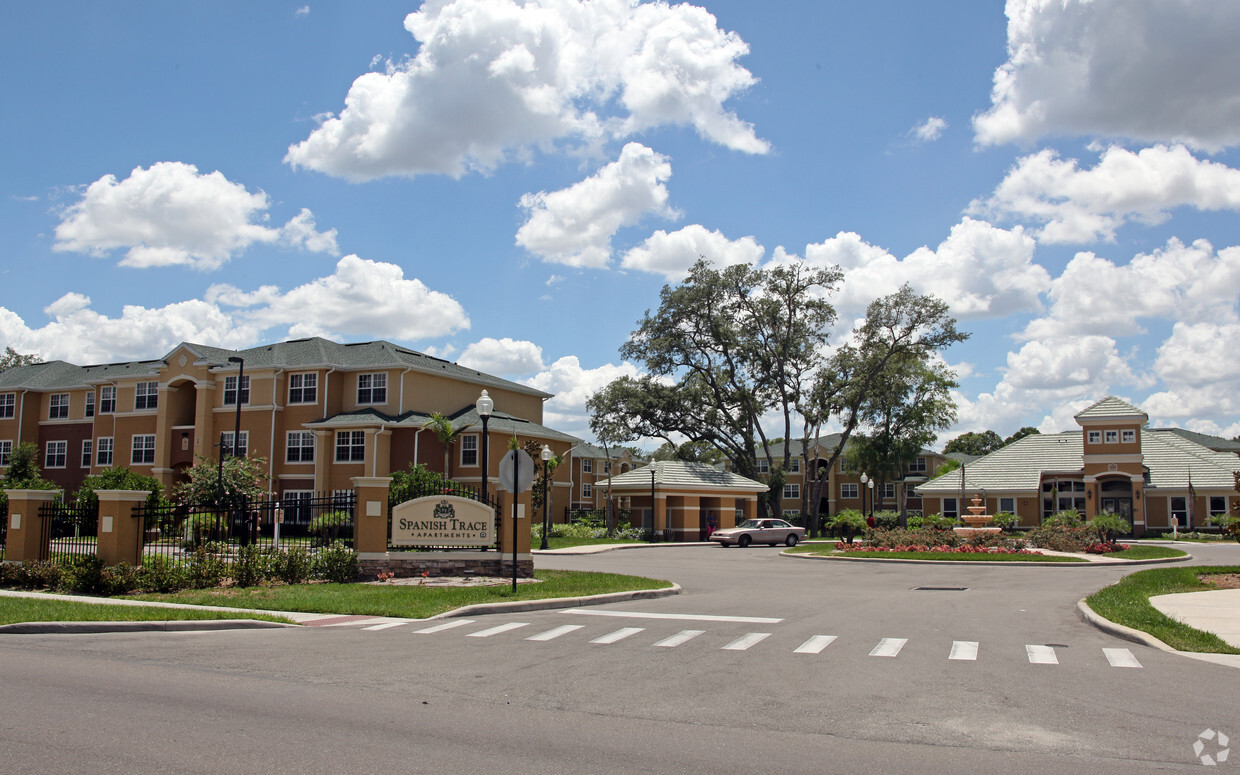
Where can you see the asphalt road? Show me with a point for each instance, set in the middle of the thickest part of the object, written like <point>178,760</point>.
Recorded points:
<point>738,674</point>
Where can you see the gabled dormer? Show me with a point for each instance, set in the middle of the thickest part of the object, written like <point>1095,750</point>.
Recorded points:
<point>1111,437</point>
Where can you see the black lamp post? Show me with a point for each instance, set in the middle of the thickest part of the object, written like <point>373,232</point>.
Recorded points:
<point>871,488</point>
<point>652,502</point>
<point>484,405</point>
<point>546,458</point>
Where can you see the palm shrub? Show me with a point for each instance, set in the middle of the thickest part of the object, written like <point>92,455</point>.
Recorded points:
<point>1109,526</point>
<point>848,524</point>
<point>1065,518</point>
<point>1004,519</point>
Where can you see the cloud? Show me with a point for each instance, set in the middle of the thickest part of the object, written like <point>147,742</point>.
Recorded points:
<point>171,215</point>
<point>1078,205</point>
<point>574,226</point>
<point>303,11</point>
<point>504,357</point>
<point>1149,70</point>
<point>572,386</point>
<point>928,131</point>
<point>361,297</point>
<point>672,255</point>
<point>980,270</point>
<point>492,81</point>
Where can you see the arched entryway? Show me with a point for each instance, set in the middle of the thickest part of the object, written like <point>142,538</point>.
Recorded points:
<point>1115,496</point>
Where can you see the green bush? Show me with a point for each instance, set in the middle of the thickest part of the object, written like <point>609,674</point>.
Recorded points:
<point>205,569</point>
<point>929,522</point>
<point>162,574</point>
<point>1004,519</point>
<point>293,566</point>
<point>119,580</point>
<point>1062,538</point>
<point>250,567</point>
<point>1109,527</point>
<point>889,539</point>
<point>1066,518</point>
<point>203,528</point>
<point>82,575</point>
<point>37,574</point>
<point>848,524</point>
<point>887,520</point>
<point>326,527</point>
<point>338,564</point>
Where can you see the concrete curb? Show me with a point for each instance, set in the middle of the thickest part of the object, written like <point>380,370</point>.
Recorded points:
<point>171,625</point>
<point>1145,639</point>
<point>600,548</point>
<point>1086,564</point>
<point>521,606</point>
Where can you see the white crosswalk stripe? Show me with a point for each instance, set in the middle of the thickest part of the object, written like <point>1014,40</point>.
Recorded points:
<point>445,626</point>
<point>1121,658</point>
<point>964,650</point>
<point>618,635</point>
<point>385,626</point>
<point>814,645</point>
<point>747,641</point>
<point>889,647</point>
<point>1041,655</point>
<point>497,630</point>
<point>684,636</point>
<point>556,632</point>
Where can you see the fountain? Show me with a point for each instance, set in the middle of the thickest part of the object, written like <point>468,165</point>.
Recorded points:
<point>976,520</point>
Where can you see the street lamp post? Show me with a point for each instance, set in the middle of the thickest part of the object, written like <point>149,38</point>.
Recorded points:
<point>484,405</point>
<point>546,458</point>
<point>864,481</point>
<point>871,487</point>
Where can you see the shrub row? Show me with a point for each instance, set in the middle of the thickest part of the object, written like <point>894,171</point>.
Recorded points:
<point>204,569</point>
<point>588,531</point>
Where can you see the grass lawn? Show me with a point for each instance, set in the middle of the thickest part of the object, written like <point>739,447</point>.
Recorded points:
<point>406,601</point>
<point>14,610</point>
<point>1128,603</point>
<point>1139,552</point>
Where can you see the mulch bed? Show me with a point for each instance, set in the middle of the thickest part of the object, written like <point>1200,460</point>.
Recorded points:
<point>1222,580</point>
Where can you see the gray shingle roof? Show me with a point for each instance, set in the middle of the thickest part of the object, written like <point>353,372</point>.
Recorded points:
<point>1216,443</point>
<point>500,424</point>
<point>1111,408</point>
<point>675,474</point>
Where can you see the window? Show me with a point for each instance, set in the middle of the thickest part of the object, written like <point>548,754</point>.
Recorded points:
<point>107,399</point>
<point>143,452</point>
<point>469,450</point>
<point>58,406</point>
<point>795,466</point>
<point>242,447</point>
<point>87,453</point>
<point>230,390</point>
<point>6,450</point>
<point>764,466</point>
<point>1218,505</point>
<point>848,490</point>
<point>296,505</point>
<point>350,446</point>
<point>90,403</point>
<point>889,491</point>
<point>791,513</point>
<point>1008,505</point>
<point>587,490</point>
<point>372,388</point>
<point>303,388</point>
<point>950,508</point>
<point>1179,509</point>
<point>1095,437</point>
<point>299,447</point>
<point>1128,437</point>
<point>146,396</point>
<point>1112,437</point>
<point>607,467</point>
<point>792,491</point>
<point>103,451</point>
<point>587,466</point>
<point>918,466</point>
<point>57,452</point>
<point>8,403</point>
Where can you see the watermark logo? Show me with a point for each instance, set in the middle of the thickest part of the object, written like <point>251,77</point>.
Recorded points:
<point>1217,742</point>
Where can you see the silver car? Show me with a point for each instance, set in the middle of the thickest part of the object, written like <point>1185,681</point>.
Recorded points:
<point>759,531</point>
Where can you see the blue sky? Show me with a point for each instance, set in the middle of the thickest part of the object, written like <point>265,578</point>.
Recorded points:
<point>510,184</point>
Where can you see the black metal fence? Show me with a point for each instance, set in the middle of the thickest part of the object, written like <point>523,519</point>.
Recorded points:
<point>69,530</point>
<point>319,520</point>
<point>447,488</point>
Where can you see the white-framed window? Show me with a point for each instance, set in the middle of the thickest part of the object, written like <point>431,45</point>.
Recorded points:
<point>143,451</point>
<point>296,506</point>
<point>917,466</point>
<point>242,447</point>
<point>792,490</point>
<point>1093,437</point>
<point>1111,437</point>
<point>1217,505</point>
<point>794,466</point>
<point>230,390</point>
<point>6,451</point>
<point>107,399</point>
<point>299,447</point>
<point>87,453</point>
<point>146,396</point>
<point>951,508</point>
<point>763,466</point>
<point>1179,508</point>
<point>587,466</point>
<point>303,388</point>
<point>1128,436</point>
<point>58,406</point>
<point>350,446</point>
<point>103,451</point>
<point>791,514</point>
<point>606,467</point>
<point>469,450</point>
<point>1008,505</point>
<point>8,405</point>
<point>57,453</point>
<point>587,490</point>
<point>90,403</point>
<point>889,491</point>
<point>372,388</point>
<point>848,490</point>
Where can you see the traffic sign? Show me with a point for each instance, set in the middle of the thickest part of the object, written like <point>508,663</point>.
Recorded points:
<point>517,462</point>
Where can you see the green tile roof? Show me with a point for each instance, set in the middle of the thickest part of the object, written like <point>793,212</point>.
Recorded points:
<point>678,475</point>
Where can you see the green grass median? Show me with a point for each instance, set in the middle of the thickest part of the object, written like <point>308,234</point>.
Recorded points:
<point>16,610</point>
<point>1128,603</point>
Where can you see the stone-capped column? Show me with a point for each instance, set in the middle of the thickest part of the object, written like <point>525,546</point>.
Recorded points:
<point>120,538</point>
<point>370,518</point>
<point>25,536</point>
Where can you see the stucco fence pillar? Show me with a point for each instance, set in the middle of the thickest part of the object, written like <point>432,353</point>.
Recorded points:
<point>120,532</point>
<point>25,534</point>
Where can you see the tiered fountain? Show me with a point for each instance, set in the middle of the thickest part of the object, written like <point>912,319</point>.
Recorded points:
<point>976,519</point>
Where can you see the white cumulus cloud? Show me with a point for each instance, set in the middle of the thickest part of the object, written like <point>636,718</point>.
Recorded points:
<point>574,226</point>
<point>169,214</point>
<point>1149,70</point>
<point>504,357</point>
<point>493,80</point>
<point>929,130</point>
<point>573,386</point>
<point>672,255</point>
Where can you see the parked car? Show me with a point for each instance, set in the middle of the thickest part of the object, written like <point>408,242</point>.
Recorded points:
<point>759,531</point>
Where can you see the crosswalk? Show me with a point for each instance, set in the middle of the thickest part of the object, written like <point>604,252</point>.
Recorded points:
<point>885,648</point>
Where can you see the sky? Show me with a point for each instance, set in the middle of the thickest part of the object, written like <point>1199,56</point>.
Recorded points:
<point>510,184</point>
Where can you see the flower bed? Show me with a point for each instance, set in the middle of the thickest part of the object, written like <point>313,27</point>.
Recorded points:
<point>937,549</point>
<point>1101,548</point>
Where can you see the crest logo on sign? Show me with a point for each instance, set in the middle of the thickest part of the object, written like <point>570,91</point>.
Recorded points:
<point>444,510</point>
